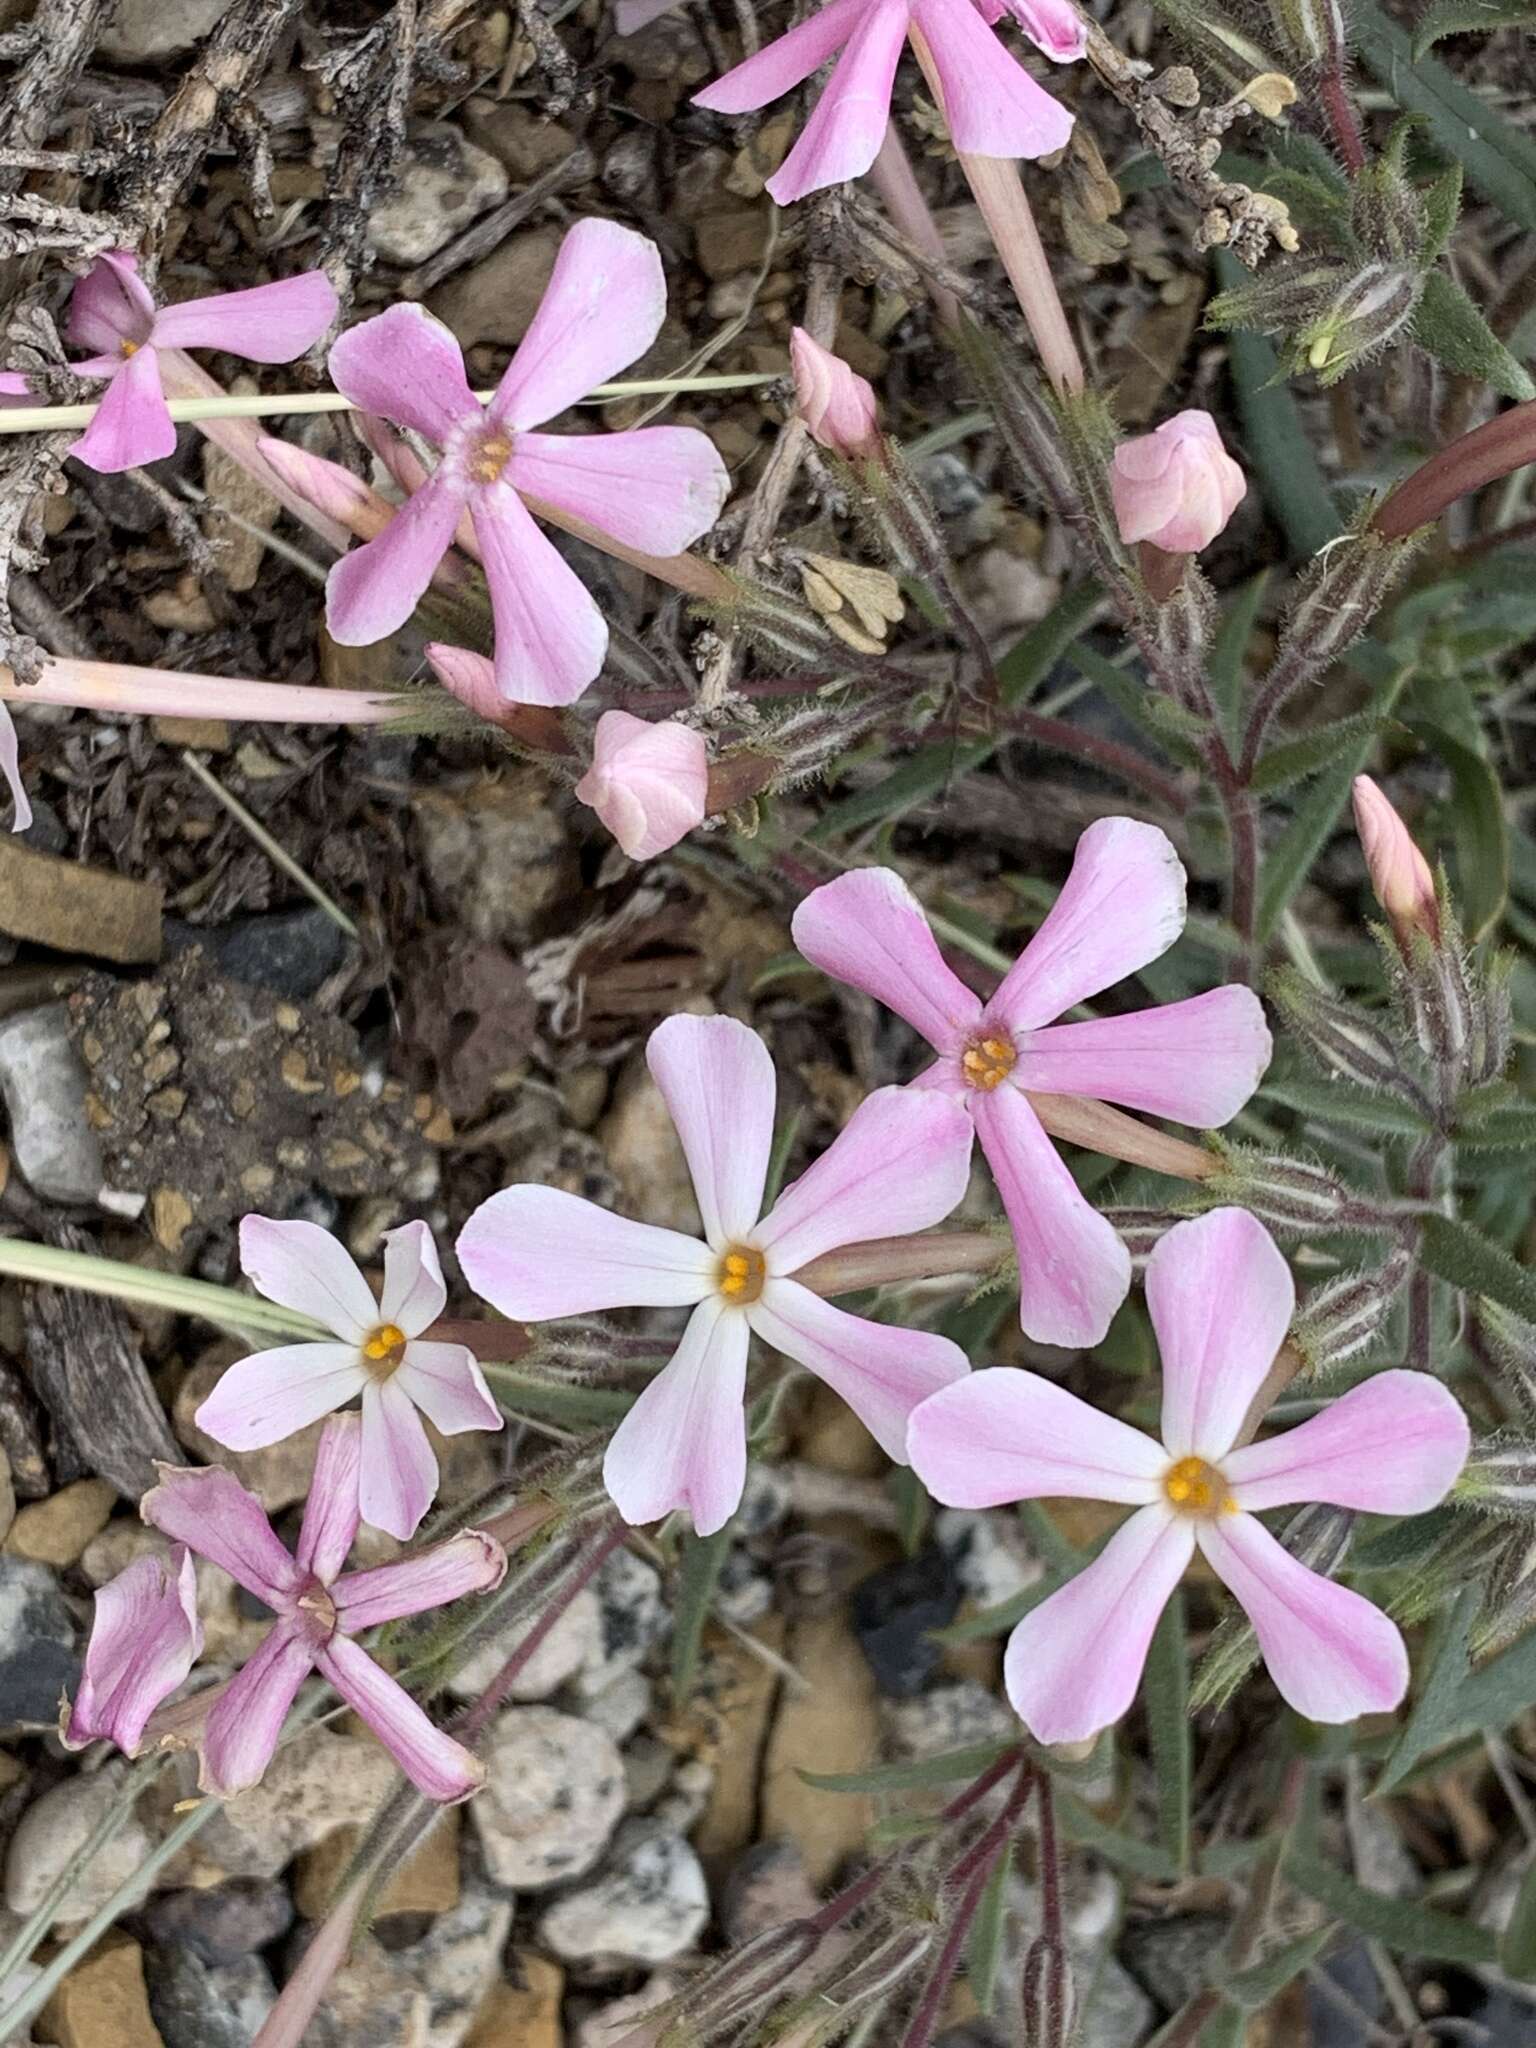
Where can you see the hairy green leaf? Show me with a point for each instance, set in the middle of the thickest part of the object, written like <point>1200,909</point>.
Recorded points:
<point>1454,1251</point>
<point>1421,1931</point>
<point>1469,17</point>
<point>1448,326</point>
<point>1166,1693</point>
<point>697,1577</point>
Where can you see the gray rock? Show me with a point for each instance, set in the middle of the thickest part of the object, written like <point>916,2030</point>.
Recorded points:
<point>445,183</point>
<point>458,1960</point>
<point>950,1716</point>
<point>989,1553</point>
<point>58,1824</point>
<point>573,1643</point>
<point>1172,1959</point>
<point>554,1793</point>
<point>634,1619</point>
<point>319,1782</point>
<point>648,1905</point>
<point>196,2005</point>
<point>897,1611</point>
<point>373,2002</point>
<point>43,1083</point>
<point>622,1706</point>
<point>768,1886</point>
<point>290,952</point>
<point>223,1923</point>
<point>1116,2013</point>
<point>765,1501</point>
<point>612,2024</point>
<point>139,31</point>
<point>686,1798</point>
<point>743,1591</point>
<point>38,1634</point>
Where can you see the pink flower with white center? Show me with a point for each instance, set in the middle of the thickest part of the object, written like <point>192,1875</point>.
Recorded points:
<point>1220,1297</point>
<point>320,1611</point>
<point>649,781</point>
<point>993,106</point>
<point>114,314</point>
<point>899,1165</point>
<point>656,488</point>
<point>145,1638</point>
<point>379,1354</point>
<point>1400,875</point>
<point>1054,26</point>
<point>836,403</point>
<point>1176,487</point>
<point>10,770</point>
<point>1196,1061</point>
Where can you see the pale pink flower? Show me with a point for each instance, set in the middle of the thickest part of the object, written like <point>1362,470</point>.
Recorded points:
<point>145,1638</point>
<point>378,1354</point>
<point>836,403</point>
<point>10,770</point>
<point>649,781</point>
<point>994,107</point>
<point>655,488</point>
<point>1176,487</point>
<point>1220,1296</point>
<point>1196,1061</point>
<point>320,1611</point>
<point>899,1165</point>
<point>1400,875</point>
<point>1054,26</point>
<point>114,314</point>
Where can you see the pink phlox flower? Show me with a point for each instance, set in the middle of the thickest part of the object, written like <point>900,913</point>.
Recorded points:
<point>145,1638</point>
<point>836,403</point>
<point>113,313</point>
<point>656,488</point>
<point>994,107</point>
<point>320,1612</point>
<point>1220,1297</point>
<point>1196,1061</point>
<point>1400,875</point>
<point>1176,487</point>
<point>649,781</point>
<point>379,1354</point>
<point>10,770</point>
<point>899,1165</point>
<point>1053,26</point>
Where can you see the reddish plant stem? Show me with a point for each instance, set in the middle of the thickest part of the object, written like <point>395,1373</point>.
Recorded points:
<point>1342,118</point>
<point>1050,1859</point>
<point>1481,457</point>
<point>1061,737</point>
<point>972,1873</point>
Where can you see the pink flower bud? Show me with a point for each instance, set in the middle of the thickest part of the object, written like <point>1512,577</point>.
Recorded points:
<point>1177,487</point>
<point>1400,874</point>
<point>648,782</point>
<point>836,404</point>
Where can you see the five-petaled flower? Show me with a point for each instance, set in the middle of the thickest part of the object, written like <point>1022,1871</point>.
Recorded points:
<point>320,1612</point>
<point>899,1165</point>
<point>1196,1061</point>
<point>1220,1297</point>
<point>145,1638</point>
<point>1176,487</point>
<point>993,106</point>
<point>378,1353</point>
<point>655,488</point>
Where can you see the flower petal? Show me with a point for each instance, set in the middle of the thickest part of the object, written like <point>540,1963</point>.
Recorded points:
<point>268,323</point>
<point>716,1077</point>
<point>145,1638</point>
<point>1332,1655</point>
<point>1221,1299</point>
<point>882,1372</point>
<point>1121,906</point>
<point>332,1511</point>
<point>10,770</point>
<point>868,929</point>
<point>470,1562</point>
<point>539,1253</point>
<point>262,1399</point>
<point>447,1385</point>
<point>1006,1435</point>
<point>684,1443</point>
<point>208,1509</point>
<point>993,105</point>
<point>1394,1445</point>
<point>436,1765</point>
<point>246,1720</point>
<point>413,1293</point>
<point>656,488</point>
<point>1073,1664</point>
<point>1197,1061</point>
<point>398,1479</point>
<point>899,1164</point>
<point>373,590</point>
<point>111,304</point>
<point>407,367</point>
<point>302,1267</point>
<point>601,310</point>
<point>133,424</point>
<point>551,638</point>
<point>848,123</point>
<point>1073,1270</point>
<point>786,62</point>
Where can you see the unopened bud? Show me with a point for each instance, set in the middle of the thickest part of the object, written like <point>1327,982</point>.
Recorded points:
<point>328,487</point>
<point>1500,1475</point>
<point>1400,875</point>
<point>1510,1342</point>
<point>784,626</point>
<point>1049,1994</point>
<point>876,1970</point>
<point>1311,29</point>
<point>1347,1313</point>
<point>1344,1041</point>
<point>1292,1193</point>
<point>836,404</point>
<point>1361,318</point>
<point>1139,1229</point>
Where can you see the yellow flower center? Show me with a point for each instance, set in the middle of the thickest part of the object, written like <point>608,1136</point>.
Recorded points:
<point>384,1350</point>
<point>128,348</point>
<point>1195,1488</point>
<point>741,1274</point>
<point>490,456</point>
<point>986,1062</point>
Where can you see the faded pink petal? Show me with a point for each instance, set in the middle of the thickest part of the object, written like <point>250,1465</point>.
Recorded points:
<point>246,1720</point>
<point>716,1077</point>
<point>1120,907</point>
<point>302,1267</point>
<point>882,1372</point>
<point>10,770</point>
<point>1176,487</point>
<point>1394,1445</point>
<point>847,126</point>
<point>899,1164</point>
<point>994,107</point>
<point>331,1513</point>
<point>1196,1061</point>
<point>1332,1655</point>
<point>371,592</point>
<point>413,1293</point>
<point>649,781</point>
<point>1004,1435</point>
<point>601,310</point>
<point>837,405</point>
<point>436,1765</point>
<point>551,639</point>
<point>1073,1664</point>
<point>470,1562</point>
<point>132,425</point>
<point>786,62</point>
<point>446,1384</point>
<point>684,1443</point>
<point>269,323</point>
<point>398,1480</point>
<point>406,366</point>
<point>111,304</point>
<point>868,929</point>
<point>656,488</point>
<point>537,1253</point>
<point>1221,1298</point>
<point>1400,875</point>
<point>145,1638</point>
<point>261,1400</point>
<point>208,1509</point>
<point>1074,1272</point>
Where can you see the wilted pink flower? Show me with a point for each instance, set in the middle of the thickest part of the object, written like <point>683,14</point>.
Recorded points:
<point>1196,1061</point>
<point>319,1611</point>
<point>1054,26</point>
<point>1400,875</point>
<point>899,1165</point>
<point>145,1638</point>
<point>656,488</point>
<point>1176,487</point>
<point>114,314</point>
<point>649,781</point>
<point>835,402</point>
<point>10,769</point>
<point>1220,1297</point>
<point>994,107</point>
<point>379,1354</point>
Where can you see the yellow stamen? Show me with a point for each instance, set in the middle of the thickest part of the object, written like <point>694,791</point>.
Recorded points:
<point>741,1274</point>
<point>492,454</point>
<point>128,348</point>
<point>1196,1488</point>
<point>987,1062</point>
<point>384,1350</point>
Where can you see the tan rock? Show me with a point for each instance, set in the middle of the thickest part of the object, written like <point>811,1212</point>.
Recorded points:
<point>526,140</point>
<point>833,1439</point>
<point>525,2013</point>
<point>495,854</point>
<point>641,1144</point>
<point>496,298</point>
<point>319,1782</point>
<point>834,1726</point>
<point>427,1882</point>
<point>77,909</point>
<point>56,1531</point>
<point>102,2004</point>
<point>237,503</point>
<point>730,241</point>
<point>743,1689</point>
